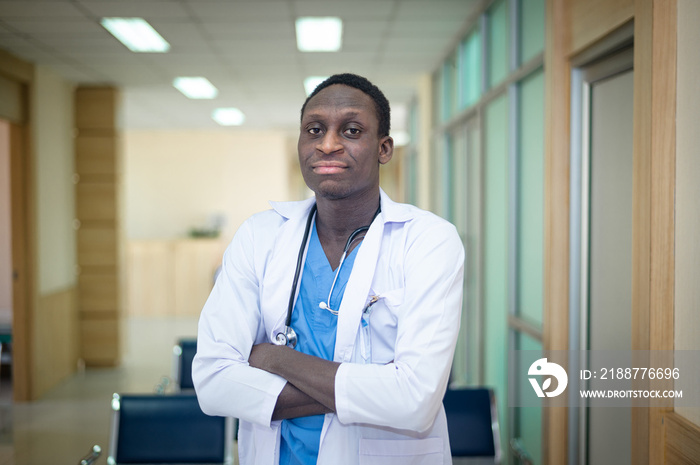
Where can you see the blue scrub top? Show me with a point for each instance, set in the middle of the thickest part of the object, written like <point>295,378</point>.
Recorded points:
<point>316,331</point>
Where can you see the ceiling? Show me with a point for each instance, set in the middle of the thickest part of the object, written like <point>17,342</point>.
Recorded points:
<point>246,48</point>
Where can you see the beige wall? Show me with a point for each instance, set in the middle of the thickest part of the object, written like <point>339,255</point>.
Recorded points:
<point>687,293</point>
<point>54,342</point>
<point>52,139</point>
<point>176,180</point>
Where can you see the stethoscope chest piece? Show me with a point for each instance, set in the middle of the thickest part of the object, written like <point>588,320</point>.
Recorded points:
<point>287,338</point>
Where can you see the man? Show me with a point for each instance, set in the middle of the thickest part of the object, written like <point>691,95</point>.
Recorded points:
<point>375,314</point>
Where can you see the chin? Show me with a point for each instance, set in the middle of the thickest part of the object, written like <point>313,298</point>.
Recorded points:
<point>331,194</point>
<point>330,190</point>
<point>335,191</point>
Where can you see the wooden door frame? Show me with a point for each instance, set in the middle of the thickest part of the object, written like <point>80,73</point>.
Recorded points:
<point>23,229</point>
<point>572,27</point>
<point>22,271</point>
<point>653,213</point>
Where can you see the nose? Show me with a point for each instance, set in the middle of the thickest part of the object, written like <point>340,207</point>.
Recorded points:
<point>329,143</point>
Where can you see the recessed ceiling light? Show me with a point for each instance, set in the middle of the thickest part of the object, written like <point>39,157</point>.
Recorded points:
<point>311,82</point>
<point>136,34</point>
<point>196,87</point>
<point>319,34</point>
<point>228,116</point>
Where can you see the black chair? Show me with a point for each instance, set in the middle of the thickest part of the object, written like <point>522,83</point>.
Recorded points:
<point>183,353</point>
<point>167,429</point>
<point>472,422</point>
<point>92,456</point>
<point>5,345</point>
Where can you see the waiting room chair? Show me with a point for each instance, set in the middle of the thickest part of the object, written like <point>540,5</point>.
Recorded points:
<point>167,429</point>
<point>5,344</point>
<point>472,423</point>
<point>92,456</point>
<point>183,353</point>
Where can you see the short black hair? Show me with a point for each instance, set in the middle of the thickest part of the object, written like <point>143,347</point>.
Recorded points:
<point>381,104</point>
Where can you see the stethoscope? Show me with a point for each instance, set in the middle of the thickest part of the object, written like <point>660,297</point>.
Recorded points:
<point>289,336</point>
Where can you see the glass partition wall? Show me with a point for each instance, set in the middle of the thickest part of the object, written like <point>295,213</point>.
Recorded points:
<point>487,177</point>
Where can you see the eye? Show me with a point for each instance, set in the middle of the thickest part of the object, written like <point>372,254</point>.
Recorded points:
<point>353,131</point>
<point>314,131</point>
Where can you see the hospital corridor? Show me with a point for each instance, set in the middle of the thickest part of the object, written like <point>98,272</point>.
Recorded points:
<point>559,137</point>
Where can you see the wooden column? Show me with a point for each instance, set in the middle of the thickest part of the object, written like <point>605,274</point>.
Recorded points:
<point>556,292</point>
<point>97,175</point>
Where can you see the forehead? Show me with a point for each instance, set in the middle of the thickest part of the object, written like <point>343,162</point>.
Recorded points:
<point>339,98</point>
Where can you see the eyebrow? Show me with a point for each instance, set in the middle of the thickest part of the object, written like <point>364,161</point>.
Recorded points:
<point>315,114</point>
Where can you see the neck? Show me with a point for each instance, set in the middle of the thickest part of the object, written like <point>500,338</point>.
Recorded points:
<point>336,219</point>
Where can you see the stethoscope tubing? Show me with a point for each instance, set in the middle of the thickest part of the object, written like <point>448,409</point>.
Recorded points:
<point>289,336</point>
<point>353,236</point>
<point>297,272</point>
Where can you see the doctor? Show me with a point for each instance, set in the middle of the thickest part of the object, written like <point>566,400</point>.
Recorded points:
<point>371,325</point>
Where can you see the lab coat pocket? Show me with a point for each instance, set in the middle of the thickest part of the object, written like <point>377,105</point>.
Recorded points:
<point>391,298</point>
<point>380,324</point>
<point>428,451</point>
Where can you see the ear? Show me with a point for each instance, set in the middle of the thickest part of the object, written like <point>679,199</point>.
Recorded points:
<point>386,149</point>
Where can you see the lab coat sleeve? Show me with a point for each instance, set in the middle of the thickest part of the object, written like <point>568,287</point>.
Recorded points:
<point>407,393</point>
<point>229,326</point>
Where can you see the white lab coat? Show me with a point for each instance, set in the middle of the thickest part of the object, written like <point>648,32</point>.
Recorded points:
<point>388,407</point>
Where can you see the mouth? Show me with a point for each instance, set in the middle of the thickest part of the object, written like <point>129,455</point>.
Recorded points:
<point>328,167</point>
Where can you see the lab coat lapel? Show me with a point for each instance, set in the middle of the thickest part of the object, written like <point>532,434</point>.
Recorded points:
<point>279,273</point>
<point>356,291</point>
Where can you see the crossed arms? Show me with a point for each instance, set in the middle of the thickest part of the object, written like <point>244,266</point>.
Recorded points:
<point>310,388</point>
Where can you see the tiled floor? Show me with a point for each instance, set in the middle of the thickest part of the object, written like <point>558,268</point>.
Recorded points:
<point>61,427</point>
